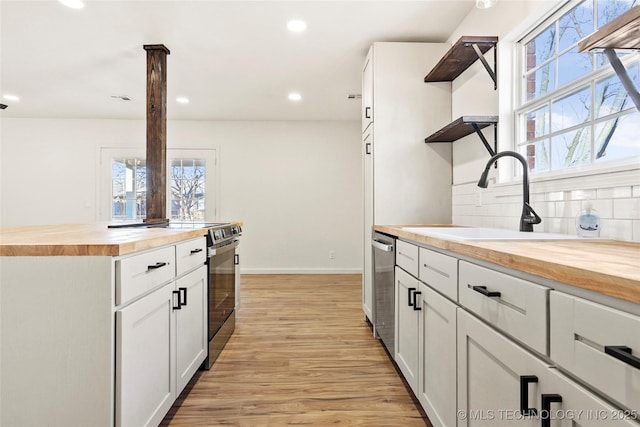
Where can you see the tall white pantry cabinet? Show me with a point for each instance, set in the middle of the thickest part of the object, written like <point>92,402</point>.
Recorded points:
<point>405,180</point>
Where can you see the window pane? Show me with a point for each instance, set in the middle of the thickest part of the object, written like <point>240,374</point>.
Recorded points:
<point>611,96</point>
<point>575,25</point>
<point>537,123</point>
<point>541,48</point>
<point>128,188</point>
<point>571,149</point>
<point>541,81</point>
<point>571,110</point>
<point>608,10</point>
<point>188,189</point>
<point>618,138</point>
<point>537,155</point>
<point>572,65</point>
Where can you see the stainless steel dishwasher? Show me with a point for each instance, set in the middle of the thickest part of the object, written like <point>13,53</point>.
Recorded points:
<point>384,260</point>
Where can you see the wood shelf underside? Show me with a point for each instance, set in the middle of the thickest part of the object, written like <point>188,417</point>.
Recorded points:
<point>460,57</point>
<point>460,128</point>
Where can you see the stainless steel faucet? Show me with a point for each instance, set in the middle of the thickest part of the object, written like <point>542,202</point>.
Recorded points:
<point>528,216</point>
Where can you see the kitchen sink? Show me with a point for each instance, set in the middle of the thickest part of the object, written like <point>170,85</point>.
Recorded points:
<point>464,233</point>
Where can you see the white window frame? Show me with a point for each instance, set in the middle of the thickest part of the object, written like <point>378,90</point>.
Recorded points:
<point>107,154</point>
<point>522,106</point>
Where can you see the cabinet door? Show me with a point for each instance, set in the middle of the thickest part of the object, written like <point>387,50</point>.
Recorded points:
<point>145,361</point>
<point>367,276</point>
<point>437,358</point>
<point>408,296</point>
<point>491,370</point>
<point>191,326</point>
<point>367,91</point>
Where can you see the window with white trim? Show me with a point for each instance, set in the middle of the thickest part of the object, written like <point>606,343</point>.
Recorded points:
<point>573,110</point>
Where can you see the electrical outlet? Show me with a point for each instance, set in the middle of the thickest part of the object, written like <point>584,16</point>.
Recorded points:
<point>332,255</point>
<point>478,198</point>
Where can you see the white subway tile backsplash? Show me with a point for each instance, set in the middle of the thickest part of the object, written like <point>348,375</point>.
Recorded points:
<point>619,229</point>
<point>618,206</point>
<point>612,193</point>
<point>626,208</point>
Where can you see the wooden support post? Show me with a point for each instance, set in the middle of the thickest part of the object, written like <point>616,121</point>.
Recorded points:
<point>156,132</point>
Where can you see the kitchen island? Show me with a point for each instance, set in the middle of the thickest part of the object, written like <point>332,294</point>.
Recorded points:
<point>95,327</point>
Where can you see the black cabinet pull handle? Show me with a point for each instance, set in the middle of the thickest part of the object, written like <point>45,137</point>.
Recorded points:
<point>174,294</point>
<point>545,412</point>
<point>483,290</point>
<point>182,293</point>
<point>410,303</point>
<point>366,112</point>
<point>236,259</point>
<point>416,307</point>
<point>156,265</point>
<point>623,354</point>
<point>367,148</point>
<point>195,251</point>
<point>525,380</point>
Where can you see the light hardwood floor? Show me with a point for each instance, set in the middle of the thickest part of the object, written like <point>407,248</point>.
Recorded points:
<point>301,354</point>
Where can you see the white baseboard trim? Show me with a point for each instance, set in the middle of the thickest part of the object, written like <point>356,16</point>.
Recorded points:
<point>301,271</point>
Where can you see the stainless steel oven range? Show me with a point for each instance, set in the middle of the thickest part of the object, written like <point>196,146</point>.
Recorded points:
<point>222,241</point>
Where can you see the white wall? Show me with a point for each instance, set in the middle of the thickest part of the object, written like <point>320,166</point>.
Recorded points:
<point>297,186</point>
<point>614,193</point>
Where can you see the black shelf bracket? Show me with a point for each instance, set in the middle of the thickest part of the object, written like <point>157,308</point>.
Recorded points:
<point>492,151</point>
<point>626,81</point>
<point>493,73</point>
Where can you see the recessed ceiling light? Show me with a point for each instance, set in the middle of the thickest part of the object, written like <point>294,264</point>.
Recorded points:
<point>485,4</point>
<point>10,97</point>
<point>182,100</point>
<point>296,25</point>
<point>293,96</point>
<point>73,4</point>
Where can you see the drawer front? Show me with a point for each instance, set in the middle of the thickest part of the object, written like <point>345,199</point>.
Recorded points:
<point>581,334</point>
<point>138,274</point>
<point>407,257</point>
<point>190,255</point>
<point>440,272</point>
<point>516,306</point>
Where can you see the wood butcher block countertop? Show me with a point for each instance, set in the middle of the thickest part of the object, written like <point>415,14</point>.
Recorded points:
<point>87,239</point>
<point>609,267</point>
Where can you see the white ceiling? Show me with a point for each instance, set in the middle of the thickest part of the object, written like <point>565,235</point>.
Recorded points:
<point>235,60</point>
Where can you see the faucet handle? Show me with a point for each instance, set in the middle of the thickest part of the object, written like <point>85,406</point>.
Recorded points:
<point>529,215</point>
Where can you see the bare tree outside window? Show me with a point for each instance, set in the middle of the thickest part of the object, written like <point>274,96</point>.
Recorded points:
<point>587,124</point>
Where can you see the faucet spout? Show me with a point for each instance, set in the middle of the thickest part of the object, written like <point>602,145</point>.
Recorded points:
<point>528,216</point>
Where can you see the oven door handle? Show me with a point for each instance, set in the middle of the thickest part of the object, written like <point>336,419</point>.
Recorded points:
<point>217,251</point>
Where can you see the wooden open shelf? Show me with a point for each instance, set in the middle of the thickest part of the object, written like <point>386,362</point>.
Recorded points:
<point>460,57</point>
<point>621,33</point>
<point>464,126</point>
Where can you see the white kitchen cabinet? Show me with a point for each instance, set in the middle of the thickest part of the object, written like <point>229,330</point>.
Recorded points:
<point>598,344</point>
<point>437,357</point>
<point>408,306</point>
<point>405,180</point>
<point>440,272</point>
<point>367,182</point>
<point>499,382</point>
<point>145,359</point>
<point>191,326</point>
<point>516,306</point>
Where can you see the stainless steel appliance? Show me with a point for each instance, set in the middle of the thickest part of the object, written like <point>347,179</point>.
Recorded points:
<point>222,241</point>
<point>384,260</point>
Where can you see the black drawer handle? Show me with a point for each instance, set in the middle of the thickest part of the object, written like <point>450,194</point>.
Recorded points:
<point>623,354</point>
<point>236,259</point>
<point>367,148</point>
<point>416,307</point>
<point>182,296</point>
<point>525,380</point>
<point>483,290</point>
<point>545,412</point>
<point>366,112</point>
<point>156,265</point>
<point>195,251</point>
<point>410,303</point>
<point>174,294</point>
